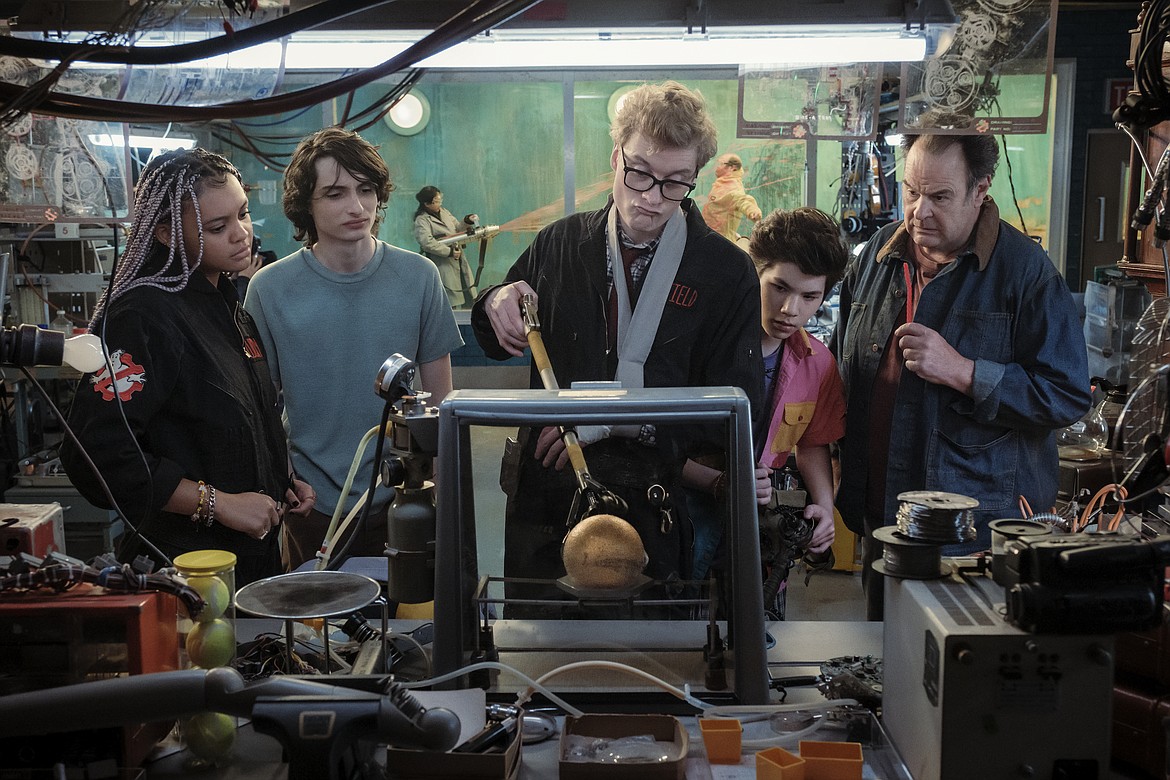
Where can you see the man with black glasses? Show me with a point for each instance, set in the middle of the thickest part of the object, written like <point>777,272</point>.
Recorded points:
<point>641,291</point>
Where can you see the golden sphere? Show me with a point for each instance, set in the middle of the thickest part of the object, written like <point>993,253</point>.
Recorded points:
<point>603,552</point>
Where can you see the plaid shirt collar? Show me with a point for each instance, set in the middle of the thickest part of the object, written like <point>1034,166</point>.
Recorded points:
<point>641,264</point>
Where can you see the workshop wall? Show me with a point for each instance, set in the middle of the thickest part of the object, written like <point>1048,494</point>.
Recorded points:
<point>498,149</point>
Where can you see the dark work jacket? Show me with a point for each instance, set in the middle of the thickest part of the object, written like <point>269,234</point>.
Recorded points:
<point>198,406</point>
<point>709,335</point>
<point>710,329</point>
<point>1011,314</point>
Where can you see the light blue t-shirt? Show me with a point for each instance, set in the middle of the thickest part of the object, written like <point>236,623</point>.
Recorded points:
<point>327,334</point>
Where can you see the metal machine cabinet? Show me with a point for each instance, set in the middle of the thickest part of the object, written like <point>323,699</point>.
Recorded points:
<point>967,696</point>
<point>460,619</point>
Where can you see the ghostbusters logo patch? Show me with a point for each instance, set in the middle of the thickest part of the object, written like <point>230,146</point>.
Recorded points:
<point>129,377</point>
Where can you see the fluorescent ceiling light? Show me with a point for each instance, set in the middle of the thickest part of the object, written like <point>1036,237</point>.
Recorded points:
<point>571,49</point>
<point>153,142</point>
<point>677,52</point>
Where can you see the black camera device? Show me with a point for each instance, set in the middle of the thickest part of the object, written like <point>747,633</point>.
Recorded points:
<point>1085,583</point>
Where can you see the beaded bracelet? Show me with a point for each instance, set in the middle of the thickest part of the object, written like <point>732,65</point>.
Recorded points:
<point>198,514</point>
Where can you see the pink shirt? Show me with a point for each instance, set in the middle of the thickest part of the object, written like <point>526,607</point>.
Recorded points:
<point>808,402</point>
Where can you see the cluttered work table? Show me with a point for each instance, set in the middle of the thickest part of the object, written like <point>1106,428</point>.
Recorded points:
<point>968,711</point>
<point>799,650</point>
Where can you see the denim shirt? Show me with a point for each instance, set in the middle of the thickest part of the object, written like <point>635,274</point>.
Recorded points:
<point>1013,315</point>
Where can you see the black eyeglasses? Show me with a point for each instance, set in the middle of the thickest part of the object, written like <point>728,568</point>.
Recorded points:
<point>640,181</point>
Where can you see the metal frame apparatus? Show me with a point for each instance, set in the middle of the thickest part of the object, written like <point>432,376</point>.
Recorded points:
<point>457,580</point>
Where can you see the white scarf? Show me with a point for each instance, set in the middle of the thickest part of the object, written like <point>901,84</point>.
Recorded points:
<point>636,330</point>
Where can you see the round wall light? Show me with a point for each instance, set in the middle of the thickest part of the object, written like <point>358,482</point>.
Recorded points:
<point>410,114</point>
<point>617,98</point>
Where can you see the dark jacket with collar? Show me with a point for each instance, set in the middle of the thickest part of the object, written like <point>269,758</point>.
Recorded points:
<point>710,329</point>
<point>709,335</point>
<point>198,406</point>
<point>1011,313</point>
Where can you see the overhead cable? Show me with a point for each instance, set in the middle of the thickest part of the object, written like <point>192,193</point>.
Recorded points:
<point>297,21</point>
<point>476,18</point>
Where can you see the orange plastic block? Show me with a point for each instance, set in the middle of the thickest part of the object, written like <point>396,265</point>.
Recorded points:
<point>831,760</point>
<point>723,738</point>
<point>778,764</point>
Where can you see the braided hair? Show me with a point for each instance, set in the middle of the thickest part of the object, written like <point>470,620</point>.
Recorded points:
<point>166,182</point>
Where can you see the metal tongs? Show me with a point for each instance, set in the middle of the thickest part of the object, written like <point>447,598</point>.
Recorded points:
<point>591,498</point>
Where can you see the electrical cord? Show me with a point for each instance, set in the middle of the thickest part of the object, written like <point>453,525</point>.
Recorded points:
<point>89,462</point>
<point>61,575</point>
<point>1137,145</point>
<point>1096,506</point>
<point>1145,210</point>
<point>336,525</point>
<point>341,555</point>
<point>679,693</point>
<point>1119,428</point>
<point>476,18</point>
<point>135,528</point>
<point>265,32</point>
<point>418,645</point>
<point>1007,158</point>
<point>564,705</point>
<point>1150,80</point>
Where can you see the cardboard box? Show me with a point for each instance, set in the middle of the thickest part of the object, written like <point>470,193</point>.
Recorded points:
<point>664,728</point>
<point>411,764</point>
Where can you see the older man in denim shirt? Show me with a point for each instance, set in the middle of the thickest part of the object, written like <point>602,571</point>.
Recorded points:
<point>961,352</point>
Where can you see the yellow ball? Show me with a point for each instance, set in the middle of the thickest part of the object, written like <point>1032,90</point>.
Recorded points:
<point>209,735</point>
<point>211,644</point>
<point>215,595</point>
<point>603,552</point>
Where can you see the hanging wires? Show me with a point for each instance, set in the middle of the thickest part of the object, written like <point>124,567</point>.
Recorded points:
<point>1159,374</point>
<point>89,462</point>
<point>274,150</point>
<point>1096,506</point>
<point>1007,158</point>
<point>475,18</point>
<point>1148,74</point>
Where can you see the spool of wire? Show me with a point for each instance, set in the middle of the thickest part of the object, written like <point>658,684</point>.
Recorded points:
<point>934,516</point>
<point>1008,530</point>
<point>906,558</point>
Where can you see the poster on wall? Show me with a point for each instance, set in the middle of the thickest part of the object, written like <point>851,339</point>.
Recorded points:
<point>818,102</point>
<point>963,88</point>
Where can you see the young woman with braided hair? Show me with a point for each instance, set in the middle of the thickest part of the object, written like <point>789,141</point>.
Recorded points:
<point>183,422</point>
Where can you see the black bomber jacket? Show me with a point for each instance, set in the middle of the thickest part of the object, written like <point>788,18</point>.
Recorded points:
<point>192,379</point>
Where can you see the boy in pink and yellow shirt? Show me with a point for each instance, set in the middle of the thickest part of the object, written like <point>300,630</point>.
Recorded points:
<point>799,256</point>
